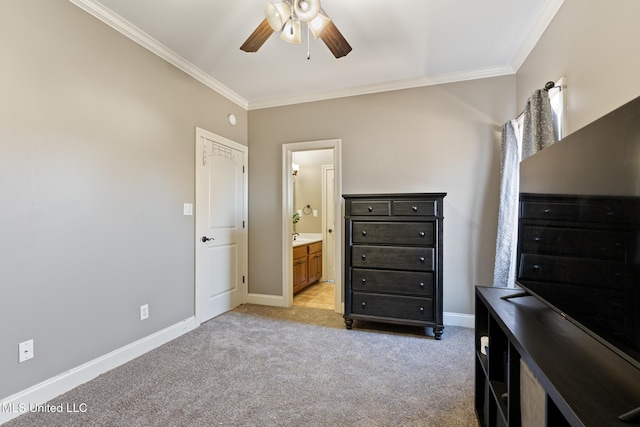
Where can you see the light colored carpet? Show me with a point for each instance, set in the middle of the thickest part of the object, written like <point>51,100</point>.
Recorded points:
<point>266,366</point>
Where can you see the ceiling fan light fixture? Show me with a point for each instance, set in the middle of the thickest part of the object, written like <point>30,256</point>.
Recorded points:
<point>277,14</point>
<point>286,16</point>
<point>306,10</point>
<point>292,32</point>
<point>318,24</point>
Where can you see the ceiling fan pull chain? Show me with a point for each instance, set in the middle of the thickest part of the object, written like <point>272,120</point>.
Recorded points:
<point>308,44</point>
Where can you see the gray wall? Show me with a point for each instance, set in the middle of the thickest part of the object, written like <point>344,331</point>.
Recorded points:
<point>596,46</point>
<point>445,138</point>
<point>430,139</point>
<point>96,160</point>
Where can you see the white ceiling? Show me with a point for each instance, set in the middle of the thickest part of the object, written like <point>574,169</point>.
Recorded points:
<point>396,44</point>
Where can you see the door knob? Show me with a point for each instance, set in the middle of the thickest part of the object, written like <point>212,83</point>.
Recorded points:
<point>205,239</point>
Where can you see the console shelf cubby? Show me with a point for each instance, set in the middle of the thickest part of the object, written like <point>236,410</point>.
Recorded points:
<point>578,380</point>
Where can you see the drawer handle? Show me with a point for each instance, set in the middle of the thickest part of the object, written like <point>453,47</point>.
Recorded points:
<point>364,257</point>
<point>547,211</point>
<point>414,208</point>
<point>363,280</point>
<point>535,267</point>
<point>421,259</point>
<point>422,234</point>
<point>364,232</point>
<point>422,284</point>
<point>537,239</point>
<point>364,304</point>
<point>421,309</point>
<point>370,209</point>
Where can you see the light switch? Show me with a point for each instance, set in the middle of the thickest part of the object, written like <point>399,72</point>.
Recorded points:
<point>188,209</point>
<point>315,212</point>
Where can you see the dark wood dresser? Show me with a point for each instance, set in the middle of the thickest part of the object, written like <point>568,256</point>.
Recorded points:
<point>393,259</point>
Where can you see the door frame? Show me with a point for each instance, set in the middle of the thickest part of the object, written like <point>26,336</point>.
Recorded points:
<point>202,133</point>
<point>324,169</point>
<point>287,211</point>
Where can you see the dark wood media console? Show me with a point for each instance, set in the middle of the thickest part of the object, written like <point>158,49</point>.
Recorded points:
<point>584,383</point>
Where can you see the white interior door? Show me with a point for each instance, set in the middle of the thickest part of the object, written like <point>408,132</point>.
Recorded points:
<point>329,225</point>
<point>221,236</point>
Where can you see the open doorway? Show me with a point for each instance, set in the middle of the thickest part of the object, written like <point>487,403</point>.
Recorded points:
<point>313,193</point>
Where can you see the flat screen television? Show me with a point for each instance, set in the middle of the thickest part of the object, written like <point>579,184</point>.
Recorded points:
<point>584,261</point>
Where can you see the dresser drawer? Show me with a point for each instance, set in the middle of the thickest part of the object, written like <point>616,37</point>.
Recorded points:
<point>395,306</point>
<point>370,207</point>
<point>602,210</point>
<point>612,213</point>
<point>588,243</point>
<point>409,233</point>
<point>549,211</point>
<point>414,207</point>
<point>572,271</point>
<point>394,258</point>
<point>399,282</point>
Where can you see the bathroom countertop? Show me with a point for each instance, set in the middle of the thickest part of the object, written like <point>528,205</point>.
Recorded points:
<point>307,238</point>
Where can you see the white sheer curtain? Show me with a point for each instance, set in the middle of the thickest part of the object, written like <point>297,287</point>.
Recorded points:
<point>537,133</point>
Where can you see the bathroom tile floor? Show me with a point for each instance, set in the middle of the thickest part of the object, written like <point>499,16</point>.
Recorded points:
<point>318,295</point>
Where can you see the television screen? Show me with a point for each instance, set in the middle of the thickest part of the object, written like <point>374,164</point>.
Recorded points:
<point>579,228</point>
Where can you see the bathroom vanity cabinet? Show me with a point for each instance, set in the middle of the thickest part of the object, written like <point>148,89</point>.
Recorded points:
<point>307,265</point>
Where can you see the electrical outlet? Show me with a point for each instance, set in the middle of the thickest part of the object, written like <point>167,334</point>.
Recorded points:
<point>144,311</point>
<point>25,351</point>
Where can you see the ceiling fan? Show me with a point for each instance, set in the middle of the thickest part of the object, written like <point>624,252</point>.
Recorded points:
<point>285,17</point>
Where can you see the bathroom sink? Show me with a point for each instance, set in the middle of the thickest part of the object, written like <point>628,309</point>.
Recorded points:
<point>305,241</point>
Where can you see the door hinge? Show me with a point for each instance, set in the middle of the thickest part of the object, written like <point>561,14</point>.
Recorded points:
<point>243,224</point>
<point>242,279</point>
<point>242,168</point>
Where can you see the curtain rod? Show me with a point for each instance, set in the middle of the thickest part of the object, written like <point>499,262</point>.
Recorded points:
<point>547,87</point>
<point>551,85</point>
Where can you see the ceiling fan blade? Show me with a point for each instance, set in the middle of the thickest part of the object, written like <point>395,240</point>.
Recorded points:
<point>258,37</point>
<point>334,40</point>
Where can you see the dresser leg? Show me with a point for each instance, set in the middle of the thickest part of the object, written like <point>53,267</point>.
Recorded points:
<point>437,331</point>
<point>348,323</point>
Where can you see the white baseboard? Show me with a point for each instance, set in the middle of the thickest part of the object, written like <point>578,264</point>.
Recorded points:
<point>262,299</point>
<point>459,319</point>
<point>15,405</point>
<point>449,319</point>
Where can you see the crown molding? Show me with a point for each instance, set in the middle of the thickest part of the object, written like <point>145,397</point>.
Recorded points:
<point>386,87</point>
<point>124,27</point>
<point>143,39</point>
<point>547,14</point>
